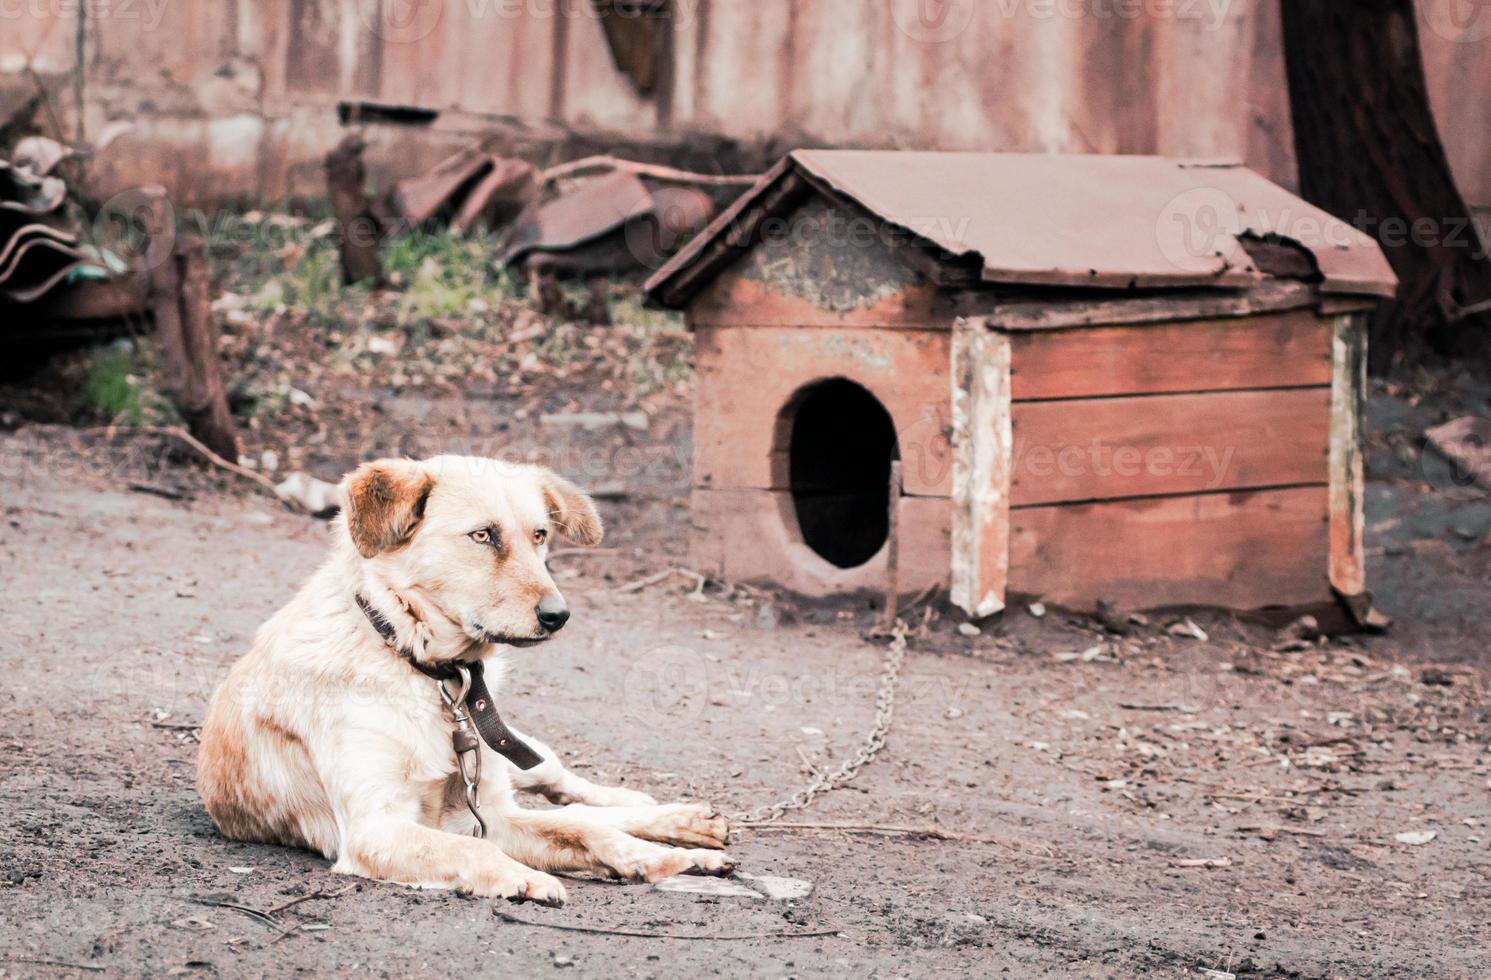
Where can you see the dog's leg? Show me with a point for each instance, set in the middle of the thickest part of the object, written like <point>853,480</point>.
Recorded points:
<point>680,824</point>
<point>557,784</point>
<point>384,817</point>
<point>410,853</point>
<point>584,839</point>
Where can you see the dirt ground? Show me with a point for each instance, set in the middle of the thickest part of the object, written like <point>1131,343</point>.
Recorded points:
<point>1089,804</point>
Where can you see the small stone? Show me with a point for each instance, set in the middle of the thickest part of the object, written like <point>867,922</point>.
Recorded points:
<point>1188,627</point>
<point>316,497</point>
<point>1415,838</point>
<point>968,629</point>
<point>778,889</point>
<point>708,887</point>
<point>1112,618</point>
<point>766,617</point>
<point>1036,609</point>
<point>1436,677</point>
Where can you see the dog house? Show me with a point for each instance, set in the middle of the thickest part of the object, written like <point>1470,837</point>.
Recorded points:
<point>1127,378</point>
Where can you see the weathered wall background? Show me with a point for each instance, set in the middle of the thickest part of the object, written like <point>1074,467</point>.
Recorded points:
<point>238,98</point>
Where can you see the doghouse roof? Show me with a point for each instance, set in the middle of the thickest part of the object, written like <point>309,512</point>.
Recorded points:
<point>1097,221</point>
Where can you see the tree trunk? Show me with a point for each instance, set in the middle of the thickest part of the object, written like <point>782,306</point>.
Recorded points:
<point>358,230</point>
<point>1369,152</point>
<point>185,336</point>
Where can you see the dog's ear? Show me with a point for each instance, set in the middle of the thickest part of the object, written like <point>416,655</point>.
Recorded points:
<point>572,511</point>
<point>384,502</point>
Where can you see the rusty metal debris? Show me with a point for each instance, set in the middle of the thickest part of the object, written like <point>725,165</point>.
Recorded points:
<point>37,249</point>
<point>470,190</point>
<point>609,224</point>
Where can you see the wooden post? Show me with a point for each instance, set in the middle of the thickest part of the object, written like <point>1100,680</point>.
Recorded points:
<point>893,550</point>
<point>185,336</point>
<point>1348,562</point>
<point>358,230</point>
<point>1348,384</point>
<point>982,462</point>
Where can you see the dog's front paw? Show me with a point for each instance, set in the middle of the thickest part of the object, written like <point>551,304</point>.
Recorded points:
<point>684,824</point>
<point>685,861</point>
<point>523,886</point>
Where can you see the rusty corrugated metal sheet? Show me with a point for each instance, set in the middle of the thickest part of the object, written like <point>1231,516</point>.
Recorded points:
<point>1105,221</point>
<point>594,209</point>
<point>35,254</point>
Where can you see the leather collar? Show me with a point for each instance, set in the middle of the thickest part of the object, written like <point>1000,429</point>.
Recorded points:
<point>479,701</point>
<point>438,672</point>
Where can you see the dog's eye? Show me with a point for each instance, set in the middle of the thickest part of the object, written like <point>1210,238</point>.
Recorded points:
<point>540,535</point>
<point>483,536</point>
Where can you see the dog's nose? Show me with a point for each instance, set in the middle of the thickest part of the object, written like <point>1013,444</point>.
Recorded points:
<point>552,614</point>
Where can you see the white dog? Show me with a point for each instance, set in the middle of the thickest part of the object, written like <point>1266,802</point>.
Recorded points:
<point>329,735</point>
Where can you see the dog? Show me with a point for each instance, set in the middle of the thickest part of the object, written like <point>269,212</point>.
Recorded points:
<point>329,735</point>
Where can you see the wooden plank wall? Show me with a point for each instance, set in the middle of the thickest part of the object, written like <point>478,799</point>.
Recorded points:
<point>1174,464</point>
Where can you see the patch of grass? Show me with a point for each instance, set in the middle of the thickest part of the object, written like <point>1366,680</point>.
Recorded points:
<point>446,276</point>
<point>110,387</point>
<point>116,386</point>
<point>312,283</point>
<point>448,314</point>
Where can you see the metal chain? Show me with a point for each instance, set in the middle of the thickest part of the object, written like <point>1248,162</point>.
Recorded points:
<point>467,748</point>
<point>885,705</point>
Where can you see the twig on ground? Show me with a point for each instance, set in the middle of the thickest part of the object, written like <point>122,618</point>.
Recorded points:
<point>257,914</point>
<point>284,934</point>
<point>814,770</point>
<point>643,583</point>
<point>169,493</point>
<point>655,171</point>
<point>699,582</point>
<point>311,898</point>
<point>177,726</point>
<point>176,432</point>
<point>931,832</point>
<point>640,934</point>
<point>1283,829</point>
<point>62,964</point>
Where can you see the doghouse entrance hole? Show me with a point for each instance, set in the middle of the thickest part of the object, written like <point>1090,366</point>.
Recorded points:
<point>841,441</point>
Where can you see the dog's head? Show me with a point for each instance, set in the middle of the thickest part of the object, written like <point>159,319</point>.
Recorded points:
<point>467,539</point>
